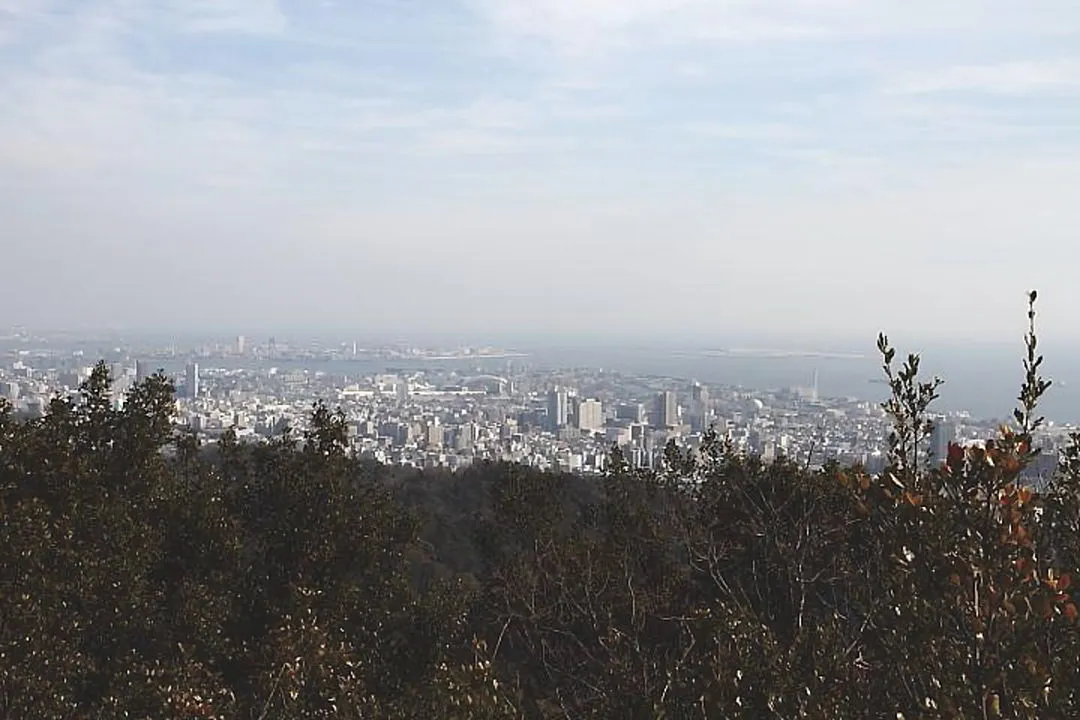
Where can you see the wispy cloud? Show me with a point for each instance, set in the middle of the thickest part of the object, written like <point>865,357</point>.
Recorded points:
<point>594,27</point>
<point>227,16</point>
<point>756,131</point>
<point>591,26</point>
<point>271,91</point>
<point>21,8</point>
<point>1007,78</point>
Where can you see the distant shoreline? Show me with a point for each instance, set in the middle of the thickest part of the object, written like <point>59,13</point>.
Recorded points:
<point>769,354</point>
<point>495,356</point>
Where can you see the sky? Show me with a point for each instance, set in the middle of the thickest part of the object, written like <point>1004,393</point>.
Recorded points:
<point>810,169</point>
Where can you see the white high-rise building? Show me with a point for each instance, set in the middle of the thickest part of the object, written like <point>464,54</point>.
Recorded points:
<point>191,380</point>
<point>591,415</point>
<point>558,409</point>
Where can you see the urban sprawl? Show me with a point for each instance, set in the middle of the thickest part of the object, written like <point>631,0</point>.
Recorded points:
<point>447,411</point>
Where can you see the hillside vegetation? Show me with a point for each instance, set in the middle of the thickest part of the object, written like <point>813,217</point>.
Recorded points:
<point>142,577</point>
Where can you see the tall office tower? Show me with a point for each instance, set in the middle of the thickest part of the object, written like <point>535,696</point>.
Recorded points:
<point>944,432</point>
<point>590,415</point>
<point>191,380</point>
<point>142,370</point>
<point>558,409</point>
<point>241,344</point>
<point>402,390</point>
<point>634,412</point>
<point>699,393</point>
<point>434,435</point>
<point>700,408</point>
<point>666,411</point>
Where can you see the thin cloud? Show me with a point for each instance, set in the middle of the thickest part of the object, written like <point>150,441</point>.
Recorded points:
<point>595,27</point>
<point>590,28</point>
<point>254,17</point>
<point>22,8</point>
<point>759,131</point>
<point>1006,78</point>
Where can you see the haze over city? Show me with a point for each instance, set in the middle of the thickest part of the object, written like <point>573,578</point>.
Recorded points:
<point>806,171</point>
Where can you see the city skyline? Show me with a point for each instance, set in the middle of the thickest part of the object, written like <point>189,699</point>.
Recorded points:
<point>825,169</point>
<point>453,415</point>
<point>978,378</point>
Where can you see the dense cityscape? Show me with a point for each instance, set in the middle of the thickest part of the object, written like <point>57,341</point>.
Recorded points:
<point>426,407</point>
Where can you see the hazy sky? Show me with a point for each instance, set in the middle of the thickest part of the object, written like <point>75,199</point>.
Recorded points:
<point>632,167</point>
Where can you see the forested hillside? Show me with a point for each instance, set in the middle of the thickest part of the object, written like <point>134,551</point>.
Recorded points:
<point>142,577</point>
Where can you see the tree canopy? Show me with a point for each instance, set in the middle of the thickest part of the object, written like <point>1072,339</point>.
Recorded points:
<point>144,577</point>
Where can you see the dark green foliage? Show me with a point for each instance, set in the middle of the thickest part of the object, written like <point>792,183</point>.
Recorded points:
<point>140,580</point>
<point>142,576</point>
